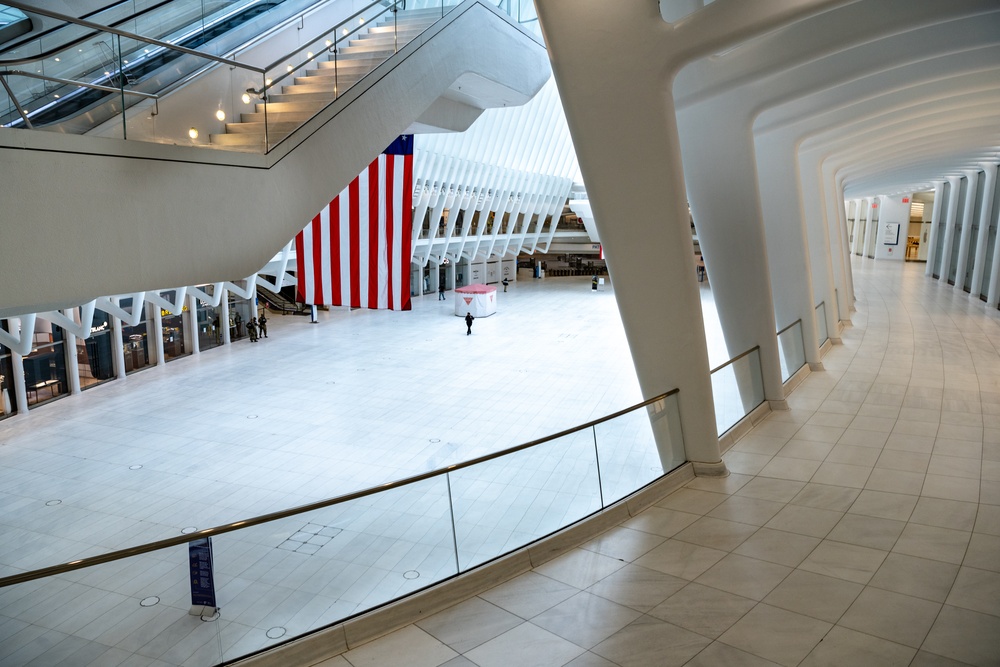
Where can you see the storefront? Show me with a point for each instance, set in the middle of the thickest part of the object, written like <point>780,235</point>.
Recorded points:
<point>45,376</point>
<point>135,340</point>
<point>209,325</point>
<point>95,355</point>
<point>240,312</point>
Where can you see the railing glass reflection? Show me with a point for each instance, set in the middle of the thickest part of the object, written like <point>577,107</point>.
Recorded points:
<point>822,335</point>
<point>791,350</point>
<point>738,388</point>
<point>284,575</point>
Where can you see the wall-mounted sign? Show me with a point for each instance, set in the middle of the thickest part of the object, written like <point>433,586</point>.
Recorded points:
<point>906,200</point>
<point>890,233</point>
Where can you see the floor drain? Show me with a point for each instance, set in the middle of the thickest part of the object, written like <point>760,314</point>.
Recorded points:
<point>50,503</point>
<point>411,574</point>
<point>136,467</point>
<point>435,440</point>
<point>188,530</point>
<point>274,633</point>
<point>251,416</point>
<point>149,602</point>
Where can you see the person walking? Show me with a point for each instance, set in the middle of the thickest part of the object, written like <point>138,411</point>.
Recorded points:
<point>252,329</point>
<point>441,292</point>
<point>593,283</point>
<point>505,282</point>
<point>468,323</point>
<point>262,325</point>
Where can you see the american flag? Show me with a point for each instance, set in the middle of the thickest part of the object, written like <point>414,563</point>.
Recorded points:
<point>356,251</point>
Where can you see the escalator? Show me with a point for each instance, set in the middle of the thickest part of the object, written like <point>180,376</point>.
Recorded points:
<point>105,60</point>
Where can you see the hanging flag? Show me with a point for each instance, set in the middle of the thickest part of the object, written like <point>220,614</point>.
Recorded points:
<point>356,251</point>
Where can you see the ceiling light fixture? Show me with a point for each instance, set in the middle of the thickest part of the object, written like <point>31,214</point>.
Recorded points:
<point>193,133</point>
<point>220,114</point>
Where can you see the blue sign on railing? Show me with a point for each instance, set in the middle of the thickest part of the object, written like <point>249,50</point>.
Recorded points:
<point>202,574</point>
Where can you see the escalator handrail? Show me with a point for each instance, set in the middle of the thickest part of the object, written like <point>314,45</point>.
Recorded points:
<point>129,35</point>
<point>72,82</point>
<point>72,43</point>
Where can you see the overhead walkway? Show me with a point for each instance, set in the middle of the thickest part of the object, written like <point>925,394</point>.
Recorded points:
<point>216,215</point>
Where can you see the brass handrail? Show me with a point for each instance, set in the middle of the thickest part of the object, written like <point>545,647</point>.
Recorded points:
<point>734,359</point>
<point>121,554</point>
<point>798,321</point>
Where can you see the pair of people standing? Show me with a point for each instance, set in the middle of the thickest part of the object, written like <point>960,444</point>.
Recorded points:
<point>257,328</point>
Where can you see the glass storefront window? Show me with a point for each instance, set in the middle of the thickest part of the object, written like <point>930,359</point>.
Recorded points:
<point>95,356</point>
<point>135,340</point>
<point>240,312</point>
<point>209,324</point>
<point>45,367</point>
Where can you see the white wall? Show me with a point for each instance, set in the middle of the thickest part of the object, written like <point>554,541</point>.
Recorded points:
<point>892,211</point>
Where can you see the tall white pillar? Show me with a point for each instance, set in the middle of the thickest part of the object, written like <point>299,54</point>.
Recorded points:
<point>936,209</point>
<point>69,349</point>
<point>224,317</point>
<point>20,390</point>
<point>117,345</point>
<point>871,230</point>
<point>158,335</point>
<point>191,324</point>
<point>647,238</point>
<point>864,219</point>
<point>856,221</point>
<point>968,213</point>
<point>979,268</point>
<point>951,215</point>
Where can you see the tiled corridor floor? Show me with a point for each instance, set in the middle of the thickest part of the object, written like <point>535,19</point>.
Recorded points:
<point>862,527</point>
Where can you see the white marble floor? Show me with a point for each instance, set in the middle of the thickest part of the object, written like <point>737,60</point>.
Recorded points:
<point>862,527</point>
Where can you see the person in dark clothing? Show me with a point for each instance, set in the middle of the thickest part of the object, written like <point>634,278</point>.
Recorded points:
<point>468,323</point>
<point>593,283</point>
<point>441,292</point>
<point>505,282</point>
<point>252,329</point>
<point>262,325</point>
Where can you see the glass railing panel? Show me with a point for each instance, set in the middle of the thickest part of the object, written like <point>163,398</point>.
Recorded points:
<point>822,335</point>
<point>503,504</point>
<point>288,577</point>
<point>737,388</point>
<point>130,611</point>
<point>791,350</point>
<point>627,450</point>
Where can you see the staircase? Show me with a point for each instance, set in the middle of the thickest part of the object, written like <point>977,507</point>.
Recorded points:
<point>324,82</point>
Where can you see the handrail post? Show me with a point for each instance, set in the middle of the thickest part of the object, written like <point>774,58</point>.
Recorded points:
<point>17,105</point>
<point>597,460</point>
<point>121,87</point>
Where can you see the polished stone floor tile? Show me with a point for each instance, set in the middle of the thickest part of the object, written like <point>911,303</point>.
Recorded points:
<point>650,641</point>
<point>867,531</point>
<point>624,543</point>
<point>826,497</point>
<point>580,568</point>
<point>527,645</point>
<point>844,561</point>
<point>660,521</point>
<point>637,587</point>
<point>805,520</point>
<point>528,594</point>
<point>586,619</point>
<point>747,510</point>
<point>843,646</point>
<point>469,624</point>
<point>892,616</point>
<point>681,559</point>
<point>703,609</point>
<point>777,546</point>
<point>815,595</point>
<point>781,636</point>
<point>959,634</point>
<point>942,544</point>
<point>716,533</point>
<point>718,653</point>
<point>745,576</point>
<point>917,577</point>
<point>978,590</point>
<point>410,645</point>
<point>884,505</point>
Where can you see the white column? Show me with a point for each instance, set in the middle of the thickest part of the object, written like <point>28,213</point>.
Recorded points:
<point>935,219</point>
<point>647,240</point>
<point>951,215</point>
<point>20,391</point>
<point>224,317</point>
<point>871,231</point>
<point>69,349</point>
<point>158,336</point>
<point>117,345</point>
<point>191,324</point>
<point>979,267</point>
<point>856,222</point>
<point>864,214</point>
<point>968,212</point>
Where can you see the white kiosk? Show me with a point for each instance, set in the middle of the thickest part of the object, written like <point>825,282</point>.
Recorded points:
<point>480,300</point>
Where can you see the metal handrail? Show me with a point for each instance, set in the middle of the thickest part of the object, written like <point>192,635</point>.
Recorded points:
<point>65,45</point>
<point>798,321</point>
<point>121,554</point>
<point>734,359</point>
<point>124,33</point>
<point>72,82</point>
<point>333,46</point>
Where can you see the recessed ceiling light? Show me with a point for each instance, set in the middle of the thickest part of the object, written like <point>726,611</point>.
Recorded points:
<point>193,133</point>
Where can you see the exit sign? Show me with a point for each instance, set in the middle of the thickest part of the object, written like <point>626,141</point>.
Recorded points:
<point>906,200</point>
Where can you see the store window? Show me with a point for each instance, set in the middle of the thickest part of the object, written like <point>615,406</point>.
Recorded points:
<point>95,355</point>
<point>240,312</point>
<point>209,324</point>
<point>8,404</point>
<point>173,331</point>
<point>45,367</point>
<point>135,339</point>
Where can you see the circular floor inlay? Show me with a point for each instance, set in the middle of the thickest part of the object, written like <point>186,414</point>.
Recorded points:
<point>251,416</point>
<point>274,633</point>
<point>149,602</point>
<point>435,440</point>
<point>136,467</point>
<point>411,574</point>
<point>188,530</point>
<point>50,503</point>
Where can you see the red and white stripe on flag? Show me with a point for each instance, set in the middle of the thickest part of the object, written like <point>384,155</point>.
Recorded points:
<point>356,252</point>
